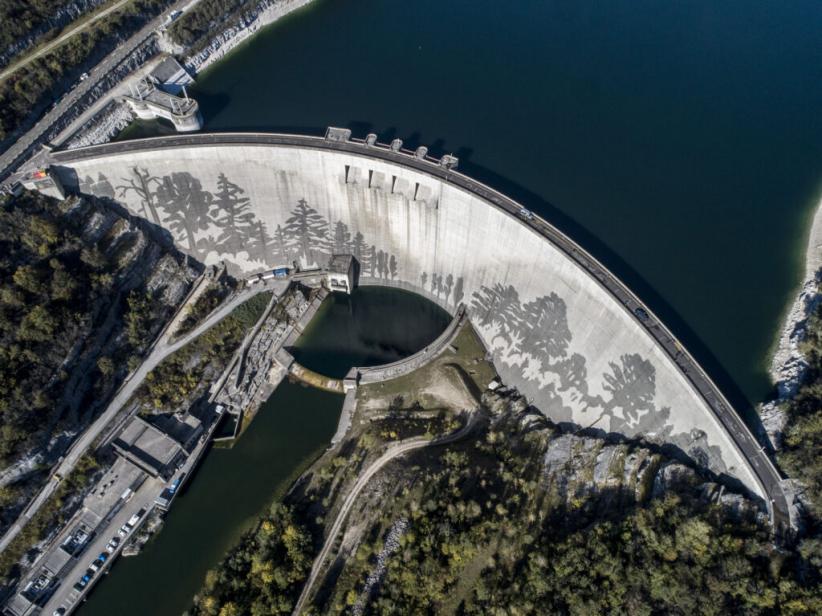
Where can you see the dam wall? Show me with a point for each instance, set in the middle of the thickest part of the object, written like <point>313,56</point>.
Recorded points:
<point>554,328</point>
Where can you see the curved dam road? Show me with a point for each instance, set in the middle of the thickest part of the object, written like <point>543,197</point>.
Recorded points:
<point>562,329</point>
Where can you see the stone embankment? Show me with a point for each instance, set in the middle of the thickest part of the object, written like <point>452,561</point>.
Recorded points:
<point>103,127</point>
<point>264,13</point>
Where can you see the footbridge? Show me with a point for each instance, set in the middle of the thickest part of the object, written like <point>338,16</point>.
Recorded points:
<point>562,329</point>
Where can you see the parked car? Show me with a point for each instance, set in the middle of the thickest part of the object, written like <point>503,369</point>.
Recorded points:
<point>103,557</point>
<point>59,611</point>
<point>79,586</point>
<point>526,214</point>
<point>93,567</point>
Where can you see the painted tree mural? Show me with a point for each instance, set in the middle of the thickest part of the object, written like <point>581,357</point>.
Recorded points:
<point>281,246</point>
<point>632,385</point>
<point>359,248</point>
<point>459,290</point>
<point>260,245</point>
<point>342,238</point>
<point>307,231</point>
<point>143,184</point>
<point>234,218</point>
<point>99,188</point>
<point>182,196</point>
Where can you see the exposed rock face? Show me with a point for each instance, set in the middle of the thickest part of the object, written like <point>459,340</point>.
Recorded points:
<point>788,365</point>
<point>265,13</point>
<point>579,466</point>
<point>62,15</point>
<point>103,127</point>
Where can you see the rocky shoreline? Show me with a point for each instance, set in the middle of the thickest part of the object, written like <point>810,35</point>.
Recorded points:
<point>250,22</point>
<point>788,364</point>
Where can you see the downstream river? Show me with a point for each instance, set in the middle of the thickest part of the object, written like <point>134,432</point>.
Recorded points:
<point>232,486</point>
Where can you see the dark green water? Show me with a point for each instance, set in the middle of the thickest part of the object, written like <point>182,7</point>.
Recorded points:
<point>372,326</point>
<point>228,491</point>
<point>232,486</point>
<point>680,142</point>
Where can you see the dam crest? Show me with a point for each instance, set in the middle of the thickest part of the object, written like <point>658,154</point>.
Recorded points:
<point>561,328</point>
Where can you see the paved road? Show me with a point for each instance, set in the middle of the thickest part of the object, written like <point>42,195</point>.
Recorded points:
<point>69,597</point>
<point>161,349</point>
<point>766,474</point>
<point>26,145</point>
<point>59,40</point>
<point>393,451</point>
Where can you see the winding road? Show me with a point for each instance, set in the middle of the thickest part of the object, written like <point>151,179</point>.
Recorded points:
<point>393,451</point>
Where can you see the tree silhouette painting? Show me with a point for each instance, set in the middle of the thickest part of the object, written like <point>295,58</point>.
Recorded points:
<point>143,184</point>
<point>498,306</point>
<point>342,238</point>
<point>99,188</point>
<point>459,290</point>
<point>359,248</point>
<point>260,243</point>
<point>307,231</point>
<point>187,204</point>
<point>372,261</point>
<point>102,187</point>
<point>233,216</point>
<point>546,325</point>
<point>632,385</point>
<point>281,245</point>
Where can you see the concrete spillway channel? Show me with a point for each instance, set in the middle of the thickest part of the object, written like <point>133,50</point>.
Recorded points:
<point>545,308</point>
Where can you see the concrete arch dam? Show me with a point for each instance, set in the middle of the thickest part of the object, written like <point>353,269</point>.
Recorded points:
<point>561,328</point>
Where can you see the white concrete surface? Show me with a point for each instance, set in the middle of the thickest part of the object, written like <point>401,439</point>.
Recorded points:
<point>555,332</point>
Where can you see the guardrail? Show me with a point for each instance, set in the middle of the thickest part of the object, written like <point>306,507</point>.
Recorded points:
<point>764,471</point>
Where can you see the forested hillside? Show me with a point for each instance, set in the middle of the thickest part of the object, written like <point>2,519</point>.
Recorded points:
<point>82,291</point>
<point>519,519</point>
<point>19,17</point>
<point>24,94</point>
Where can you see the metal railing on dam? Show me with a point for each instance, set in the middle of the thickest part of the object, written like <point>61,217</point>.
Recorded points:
<point>761,465</point>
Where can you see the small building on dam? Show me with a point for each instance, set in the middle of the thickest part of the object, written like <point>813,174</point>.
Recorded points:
<point>560,327</point>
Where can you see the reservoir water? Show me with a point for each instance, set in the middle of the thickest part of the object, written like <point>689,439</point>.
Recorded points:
<point>232,486</point>
<point>680,142</point>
